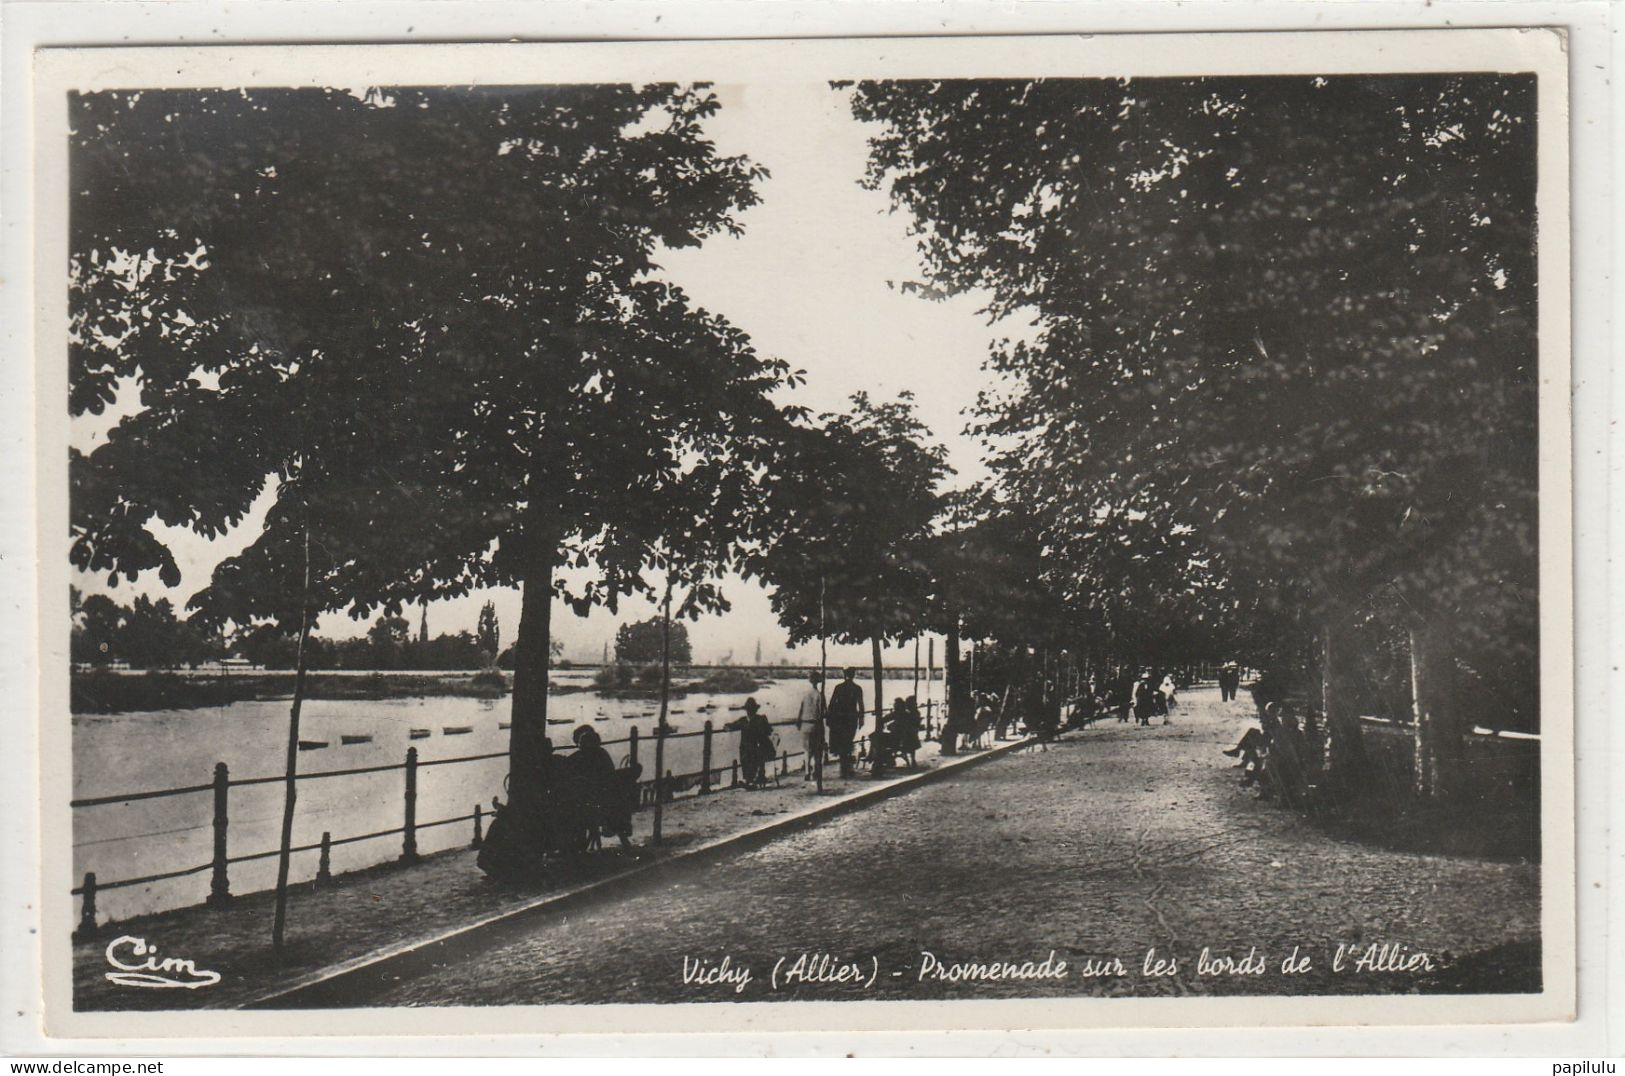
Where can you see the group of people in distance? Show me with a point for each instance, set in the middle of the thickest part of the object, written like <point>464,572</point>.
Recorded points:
<point>564,806</point>
<point>832,726</point>
<point>1150,696</point>
<point>1136,695</point>
<point>1035,708</point>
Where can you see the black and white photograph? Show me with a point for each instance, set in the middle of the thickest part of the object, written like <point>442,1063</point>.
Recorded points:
<point>569,536</point>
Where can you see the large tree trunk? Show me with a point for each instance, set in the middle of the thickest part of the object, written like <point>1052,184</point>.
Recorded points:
<point>880,704</point>
<point>957,692</point>
<point>530,654</point>
<point>1345,760</point>
<point>1436,716</point>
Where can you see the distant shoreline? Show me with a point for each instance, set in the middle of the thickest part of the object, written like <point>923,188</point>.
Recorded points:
<point>112,691</point>
<point>103,692</point>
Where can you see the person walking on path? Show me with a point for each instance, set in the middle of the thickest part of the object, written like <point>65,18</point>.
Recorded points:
<point>1013,702</point>
<point>1168,689</point>
<point>1043,712</point>
<point>1229,681</point>
<point>907,732</point>
<point>844,719</point>
<point>809,724</point>
<point>1143,703</point>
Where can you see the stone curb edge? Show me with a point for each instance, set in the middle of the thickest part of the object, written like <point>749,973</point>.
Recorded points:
<point>340,985</point>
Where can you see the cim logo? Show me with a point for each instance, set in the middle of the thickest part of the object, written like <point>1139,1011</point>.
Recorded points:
<point>138,965</point>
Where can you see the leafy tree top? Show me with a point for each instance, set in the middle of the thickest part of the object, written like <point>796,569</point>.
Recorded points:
<point>445,346</point>
<point>851,506</point>
<point>642,642</point>
<point>1293,316</point>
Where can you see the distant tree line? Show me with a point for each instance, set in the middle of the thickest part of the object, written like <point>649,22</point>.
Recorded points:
<point>388,644</point>
<point>147,634</point>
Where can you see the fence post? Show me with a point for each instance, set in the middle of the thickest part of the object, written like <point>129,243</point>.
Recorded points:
<point>632,746</point>
<point>479,832</point>
<point>409,842</point>
<point>705,761</point>
<point>734,780</point>
<point>220,885</point>
<point>324,864</point>
<point>87,914</point>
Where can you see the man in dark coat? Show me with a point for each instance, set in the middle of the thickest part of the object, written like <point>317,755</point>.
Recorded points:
<point>600,791</point>
<point>843,718</point>
<point>755,744</point>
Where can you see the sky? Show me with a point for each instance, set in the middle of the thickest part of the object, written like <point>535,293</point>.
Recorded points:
<point>814,280</point>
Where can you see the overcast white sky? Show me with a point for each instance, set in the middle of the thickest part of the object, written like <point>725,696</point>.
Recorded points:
<point>814,282</point>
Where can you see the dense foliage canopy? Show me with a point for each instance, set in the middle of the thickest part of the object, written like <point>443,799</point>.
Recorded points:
<point>1284,348</point>
<point>643,642</point>
<point>431,323</point>
<point>853,503</point>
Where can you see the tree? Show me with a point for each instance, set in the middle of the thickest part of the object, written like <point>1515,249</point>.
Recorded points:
<point>265,645</point>
<point>984,584</point>
<point>1291,318</point>
<point>387,641</point>
<point>150,635</point>
<point>853,505</point>
<point>98,624</point>
<point>147,634</point>
<point>488,634</point>
<point>447,349</point>
<point>640,643</point>
<point>454,651</point>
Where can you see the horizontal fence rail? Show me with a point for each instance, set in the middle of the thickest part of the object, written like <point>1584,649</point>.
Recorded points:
<point>667,788</point>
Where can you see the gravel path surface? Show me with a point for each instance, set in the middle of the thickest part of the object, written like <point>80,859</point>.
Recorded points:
<point>1114,849</point>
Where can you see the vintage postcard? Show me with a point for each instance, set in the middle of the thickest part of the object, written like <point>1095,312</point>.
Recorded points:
<point>1046,532</point>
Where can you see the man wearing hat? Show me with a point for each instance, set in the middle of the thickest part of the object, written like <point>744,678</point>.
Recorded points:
<point>755,744</point>
<point>844,719</point>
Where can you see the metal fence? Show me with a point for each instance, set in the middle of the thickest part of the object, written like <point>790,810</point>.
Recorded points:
<point>712,776</point>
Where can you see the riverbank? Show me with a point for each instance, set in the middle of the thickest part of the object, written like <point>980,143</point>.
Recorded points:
<point>395,906</point>
<point>124,692</point>
<point>102,691</point>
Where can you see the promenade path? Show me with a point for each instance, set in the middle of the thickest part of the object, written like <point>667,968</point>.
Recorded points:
<point>1116,843</point>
